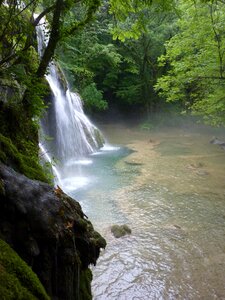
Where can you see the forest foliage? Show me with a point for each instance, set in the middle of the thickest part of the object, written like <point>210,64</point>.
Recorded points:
<point>196,59</point>
<point>168,56</point>
<point>117,56</point>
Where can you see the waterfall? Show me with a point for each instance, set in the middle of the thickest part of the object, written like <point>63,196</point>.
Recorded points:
<point>71,134</point>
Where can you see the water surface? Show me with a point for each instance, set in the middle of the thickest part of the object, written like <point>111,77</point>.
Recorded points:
<point>170,190</point>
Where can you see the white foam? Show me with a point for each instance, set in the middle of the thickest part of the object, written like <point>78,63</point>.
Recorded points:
<point>74,183</point>
<point>83,162</point>
<point>96,153</point>
<point>108,147</point>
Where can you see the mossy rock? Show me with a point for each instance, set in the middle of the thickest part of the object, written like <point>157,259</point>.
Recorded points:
<point>17,280</point>
<point>27,165</point>
<point>85,284</point>
<point>99,241</point>
<point>120,230</point>
<point>10,89</point>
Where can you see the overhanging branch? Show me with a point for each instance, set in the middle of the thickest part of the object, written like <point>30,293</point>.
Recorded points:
<point>44,13</point>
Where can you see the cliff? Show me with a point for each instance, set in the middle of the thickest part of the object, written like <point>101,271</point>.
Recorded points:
<point>50,233</point>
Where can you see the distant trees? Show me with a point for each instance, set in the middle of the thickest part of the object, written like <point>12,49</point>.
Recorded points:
<point>118,62</point>
<point>140,70</point>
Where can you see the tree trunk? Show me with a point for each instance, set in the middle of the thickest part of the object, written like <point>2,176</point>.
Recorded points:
<point>53,40</point>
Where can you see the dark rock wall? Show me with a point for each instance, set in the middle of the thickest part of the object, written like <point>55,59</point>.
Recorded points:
<point>49,231</point>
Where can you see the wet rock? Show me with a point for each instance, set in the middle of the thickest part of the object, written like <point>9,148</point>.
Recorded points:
<point>10,88</point>
<point>197,168</point>
<point>99,137</point>
<point>198,165</point>
<point>216,141</point>
<point>120,230</point>
<point>202,173</point>
<point>32,247</point>
<point>176,226</point>
<point>49,231</point>
<point>133,163</point>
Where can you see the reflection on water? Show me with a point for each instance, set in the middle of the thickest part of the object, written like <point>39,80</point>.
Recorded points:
<point>171,191</point>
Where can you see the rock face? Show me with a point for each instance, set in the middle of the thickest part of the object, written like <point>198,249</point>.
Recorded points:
<point>49,231</point>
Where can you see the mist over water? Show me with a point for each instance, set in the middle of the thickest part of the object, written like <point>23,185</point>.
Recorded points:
<point>168,186</point>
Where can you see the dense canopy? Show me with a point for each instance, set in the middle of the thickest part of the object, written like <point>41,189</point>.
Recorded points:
<point>142,56</point>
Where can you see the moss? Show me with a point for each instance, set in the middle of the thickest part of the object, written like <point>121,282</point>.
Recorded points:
<point>120,230</point>
<point>81,224</point>
<point>17,280</point>
<point>32,59</point>
<point>85,284</point>
<point>99,240</point>
<point>27,165</point>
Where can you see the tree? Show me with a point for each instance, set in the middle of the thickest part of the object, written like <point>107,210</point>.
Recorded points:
<point>196,57</point>
<point>141,69</point>
<point>125,71</point>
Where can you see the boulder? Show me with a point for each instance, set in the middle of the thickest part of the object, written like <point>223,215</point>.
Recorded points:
<point>49,231</point>
<point>120,230</point>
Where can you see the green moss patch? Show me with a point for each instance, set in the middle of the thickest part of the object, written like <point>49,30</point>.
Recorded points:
<point>17,280</point>
<point>85,284</point>
<point>27,165</point>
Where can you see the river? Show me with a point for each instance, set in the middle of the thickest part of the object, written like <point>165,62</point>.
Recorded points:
<point>168,186</point>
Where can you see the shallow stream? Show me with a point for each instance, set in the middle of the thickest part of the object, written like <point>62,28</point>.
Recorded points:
<point>168,186</point>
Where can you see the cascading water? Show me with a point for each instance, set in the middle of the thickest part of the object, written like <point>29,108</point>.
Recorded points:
<point>73,135</point>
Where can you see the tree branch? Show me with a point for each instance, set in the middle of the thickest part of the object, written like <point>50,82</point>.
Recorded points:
<point>53,40</point>
<point>45,12</point>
